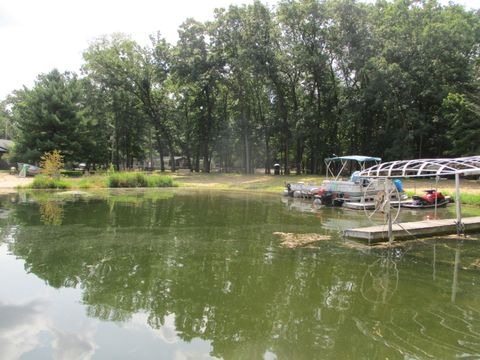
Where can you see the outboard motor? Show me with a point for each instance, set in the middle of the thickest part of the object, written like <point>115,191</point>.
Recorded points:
<point>289,190</point>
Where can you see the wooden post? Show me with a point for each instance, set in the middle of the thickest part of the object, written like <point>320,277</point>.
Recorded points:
<point>457,203</point>
<point>455,275</point>
<point>389,210</point>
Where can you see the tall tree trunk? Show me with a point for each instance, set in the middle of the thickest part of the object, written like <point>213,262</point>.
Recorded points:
<point>247,152</point>
<point>189,161</point>
<point>117,152</point>
<point>162,163</point>
<point>267,153</point>
<point>127,149</point>
<point>173,166</point>
<point>197,162</point>
<point>160,152</point>
<point>299,156</point>
<point>208,130</point>
<point>286,133</point>
<point>150,148</point>
<point>206,163</point>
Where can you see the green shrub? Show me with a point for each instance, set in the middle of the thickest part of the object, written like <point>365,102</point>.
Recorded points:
<point>72,173</point>
<point>159,181</point>
<point>138,179</point>
<point>466,198</point>
<point>43,182</point>
<point>52,163</point>
<point>126,180</point>
<point>92,182</point>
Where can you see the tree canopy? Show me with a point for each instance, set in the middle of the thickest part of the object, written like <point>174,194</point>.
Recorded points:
<point>293,84</point>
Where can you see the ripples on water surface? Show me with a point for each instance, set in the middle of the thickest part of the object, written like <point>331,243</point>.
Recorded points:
<point>176,274</point>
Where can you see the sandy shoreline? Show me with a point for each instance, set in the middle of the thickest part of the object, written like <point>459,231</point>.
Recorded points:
<point>8,183</point>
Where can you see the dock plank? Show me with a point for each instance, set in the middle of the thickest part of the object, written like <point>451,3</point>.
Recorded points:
<point>413,229</point>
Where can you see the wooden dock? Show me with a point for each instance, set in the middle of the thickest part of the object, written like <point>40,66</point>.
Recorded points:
<point>413,229</point>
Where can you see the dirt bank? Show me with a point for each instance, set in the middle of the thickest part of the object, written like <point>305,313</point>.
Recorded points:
<point>8,182</point>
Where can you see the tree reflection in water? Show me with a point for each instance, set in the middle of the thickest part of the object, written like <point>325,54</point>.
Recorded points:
<point>51,212</point>
<point>211,264</point>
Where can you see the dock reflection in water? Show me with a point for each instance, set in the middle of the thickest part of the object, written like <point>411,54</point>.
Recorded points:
<point>202,275</point>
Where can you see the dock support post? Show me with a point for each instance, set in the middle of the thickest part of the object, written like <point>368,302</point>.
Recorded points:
<point>455,275</point>
<point>389,210</point>
<point>457,204</point>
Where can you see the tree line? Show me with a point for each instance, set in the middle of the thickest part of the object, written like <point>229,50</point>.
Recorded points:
<point>292,84</point>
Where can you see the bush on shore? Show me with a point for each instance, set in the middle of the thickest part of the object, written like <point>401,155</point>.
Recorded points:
<point>138,179</point>
<point>44,182</point>
<point>115,180</point>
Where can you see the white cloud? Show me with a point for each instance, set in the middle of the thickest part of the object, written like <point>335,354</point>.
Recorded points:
<point>37,36</point>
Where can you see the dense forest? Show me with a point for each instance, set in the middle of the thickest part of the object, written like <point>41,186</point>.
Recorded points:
<point>292,84</point>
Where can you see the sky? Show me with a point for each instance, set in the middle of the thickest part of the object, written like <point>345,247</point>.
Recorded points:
<point>37,36</point>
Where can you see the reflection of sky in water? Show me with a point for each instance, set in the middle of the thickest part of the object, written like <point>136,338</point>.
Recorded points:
<point>32,320</point>
<point>40,322</point>
<point>195,276</point>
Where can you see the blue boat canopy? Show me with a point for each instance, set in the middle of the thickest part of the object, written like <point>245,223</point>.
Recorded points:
<point>359,158</point>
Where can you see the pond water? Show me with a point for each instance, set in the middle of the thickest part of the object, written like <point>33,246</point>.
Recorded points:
<point>184,274</point>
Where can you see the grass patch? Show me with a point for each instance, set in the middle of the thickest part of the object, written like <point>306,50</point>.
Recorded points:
<point>159,181</point>
<point>43,182</point>
<point>138,179</point>
<point>116,180</point>
<point>466,198</point>
<point>72,173</point>
<point>92,182</point>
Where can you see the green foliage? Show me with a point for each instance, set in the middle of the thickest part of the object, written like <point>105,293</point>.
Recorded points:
<point>92,182</point>
<point>50,117</point>
<point>132,82</point>
<point>72,173</point>
<point>7,124</point>
<point>466,198</point>
<point>159,181</point>
<point>52,163</point>
<point>43,182</point>
<point>111,169</point>
<point>293,84</point>
<point>462,125</point>
<point>138,179</point>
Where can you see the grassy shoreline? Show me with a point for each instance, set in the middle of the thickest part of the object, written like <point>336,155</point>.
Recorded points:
<point>115,180</point>
<point>470,189</point>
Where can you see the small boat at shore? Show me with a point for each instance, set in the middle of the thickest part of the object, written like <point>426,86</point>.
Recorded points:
<point>338,190</point>
<point>352,190</point>
<point>301,190</point>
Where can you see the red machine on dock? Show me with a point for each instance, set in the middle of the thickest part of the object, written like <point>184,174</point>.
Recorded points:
<point>431,199</point>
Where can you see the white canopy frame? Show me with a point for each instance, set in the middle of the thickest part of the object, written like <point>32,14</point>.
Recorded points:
<point>344,160</point>
<point>424,168</point>
<point>429,168</point>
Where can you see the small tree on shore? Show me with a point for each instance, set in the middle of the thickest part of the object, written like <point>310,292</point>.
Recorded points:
<point>51,163</point>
